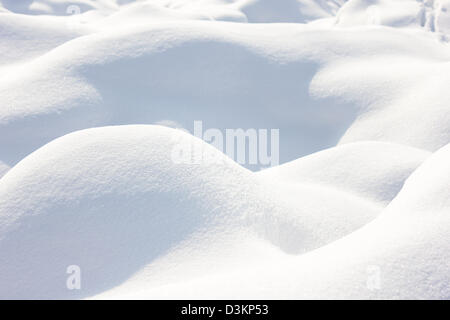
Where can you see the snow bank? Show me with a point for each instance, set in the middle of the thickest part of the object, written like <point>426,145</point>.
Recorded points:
<point>52,7</point>
<point>16,43</point>
<point>432,15</point>
<point>111,200</point>
<point>324,87</point>
<point>358,90</point>
<point>372,170</point>
<point>253,11</point>
<point>108,200</point>
<point>402,254</point>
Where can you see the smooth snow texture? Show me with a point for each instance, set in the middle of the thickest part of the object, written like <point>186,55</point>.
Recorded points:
<point>3,169</point>
<point>292,77</point>
<point>403,254</point>
<point>358,208</point>
<point>125,175</point>
<point>433,15</point>
<point>372,170</point>
<point>243,10</point>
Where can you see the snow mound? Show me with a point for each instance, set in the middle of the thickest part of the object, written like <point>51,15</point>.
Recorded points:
<point>358,207</point>
<point>52,7</point>
<point>218,70</point>
<point>300,11</point>
<point>240,76</point>
<point>432,15</point>
<point>16,44</point>
<point>371,170</point>
<point>402,254</point>
<point>143,12</point>
<point>111,200</point>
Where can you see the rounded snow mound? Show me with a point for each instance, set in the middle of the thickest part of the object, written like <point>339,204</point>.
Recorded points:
<point>432,15</point>
<point>402,254</point>
<point>217,70</point>
<point>299,11</point>
<point>51,7</point>
<point>108,200</point>
<point>112,200</point>
<point>369,169</point>
<point>142,12</point>
<point>316,92</point>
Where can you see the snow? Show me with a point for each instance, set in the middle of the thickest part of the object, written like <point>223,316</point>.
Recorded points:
<point>125,175</point>
<point>432,15</point>
<point>92,94</point>
<point>407,244</point>
<point>321,105</point>
<point>299,11</point>
<point>3,169</point>
<point>371,170</point>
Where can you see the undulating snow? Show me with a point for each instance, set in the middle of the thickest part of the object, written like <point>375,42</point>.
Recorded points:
<point>3,169</point>
<point>407,243</point>
<point>372,170</point>
<point>358,208</point>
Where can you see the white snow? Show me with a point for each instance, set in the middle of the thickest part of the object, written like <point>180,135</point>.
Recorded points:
<point>116,201</point>
<point>406,246</point>
<point>358,90</point>
<point>371,170</point>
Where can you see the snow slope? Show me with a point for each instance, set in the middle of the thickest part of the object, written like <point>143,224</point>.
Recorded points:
<point>406,246</point>
<point>327,98</point>
<point>433,15</point>
<point>358,207</point>
<point>125,175</point>
<point>377,171</point>
<point>3,169</point>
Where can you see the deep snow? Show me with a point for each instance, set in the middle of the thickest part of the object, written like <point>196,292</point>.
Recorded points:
<point>358,90</point>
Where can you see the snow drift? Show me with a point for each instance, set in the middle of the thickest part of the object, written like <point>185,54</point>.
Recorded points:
<point>406,246</point>
<point>330,84</point>
<point>125,176</point>
<point>358,207</point>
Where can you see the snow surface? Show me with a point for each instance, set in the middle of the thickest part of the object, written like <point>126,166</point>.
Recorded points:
<point>3,169</point>
<point>357,88</point>
<point>407,243</point>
